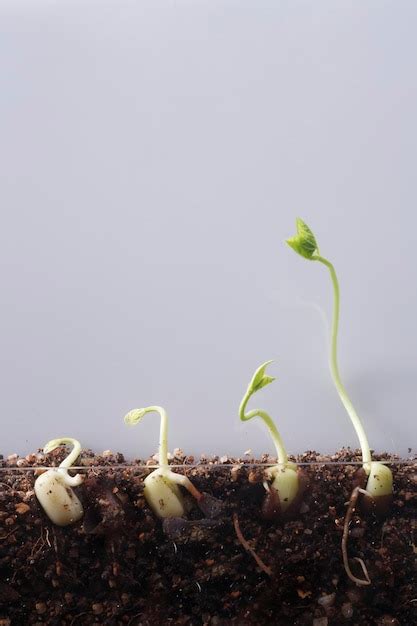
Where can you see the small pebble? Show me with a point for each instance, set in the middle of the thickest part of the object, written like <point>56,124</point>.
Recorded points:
<point>21,508</point>
<point>347,610</point>
<point>28,496</point>
<point>97,608</point>
<point>41,608</point>
<point>255,476</point>
<point>354,595</point>
<point>234,472</point>
<point>327,600</point>
<point>320,621</point>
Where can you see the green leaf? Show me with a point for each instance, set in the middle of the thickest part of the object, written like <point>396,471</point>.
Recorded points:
<point>260,379</point>
<point>304,242</point>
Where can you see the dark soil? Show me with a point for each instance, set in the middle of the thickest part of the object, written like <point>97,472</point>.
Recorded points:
<point>122,566</point>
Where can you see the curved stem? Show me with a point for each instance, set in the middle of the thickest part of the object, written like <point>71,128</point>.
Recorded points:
<point>276,437</point>
<point>71,481</point>
<point>72,456</point>
<point>363,440</point>
<point>163,434</point>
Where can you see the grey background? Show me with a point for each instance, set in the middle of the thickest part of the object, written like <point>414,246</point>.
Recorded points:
<point>154,156</point>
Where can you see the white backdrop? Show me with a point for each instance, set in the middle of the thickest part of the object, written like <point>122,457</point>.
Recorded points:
<point>154,156</point>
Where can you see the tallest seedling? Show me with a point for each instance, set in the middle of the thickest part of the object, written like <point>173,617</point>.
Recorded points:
<point>379,476</point>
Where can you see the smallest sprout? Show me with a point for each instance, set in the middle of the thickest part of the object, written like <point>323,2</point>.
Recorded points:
<point>286,488</point>
<point>54,490</point>
<point>161,487</point>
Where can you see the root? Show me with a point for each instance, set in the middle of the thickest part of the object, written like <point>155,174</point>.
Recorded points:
<point>55,542</point>
<point>247,547</point>
<point>73,622</point>
<point>348,517</point>
<point>185,482</point>
<point>7,486</point>
<point>39,544</point>
<point>193,490</point>
<point>8,534</point>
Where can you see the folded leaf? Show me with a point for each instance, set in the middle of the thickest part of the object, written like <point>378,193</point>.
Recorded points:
<point>134,416</point>
<point>304,242</point>
<point>260,379</point>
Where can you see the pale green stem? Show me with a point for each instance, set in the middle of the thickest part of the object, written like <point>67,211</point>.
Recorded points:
<point>276,437</point>
<point>163,434</point>
<point>363,440</point>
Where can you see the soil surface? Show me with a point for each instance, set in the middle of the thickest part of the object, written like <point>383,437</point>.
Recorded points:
<point>222,564</point>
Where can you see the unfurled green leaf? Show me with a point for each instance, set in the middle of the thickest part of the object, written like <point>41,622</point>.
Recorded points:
<point>304,242</point>
<point>260,379</point>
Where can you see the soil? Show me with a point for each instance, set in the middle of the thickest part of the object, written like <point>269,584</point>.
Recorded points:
<point>223,564</point>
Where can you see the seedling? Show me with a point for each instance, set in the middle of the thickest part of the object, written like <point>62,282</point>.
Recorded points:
<point>161,487</point>
<point>54,490</point>
<point>379,477</point>
<point>286,488</point>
